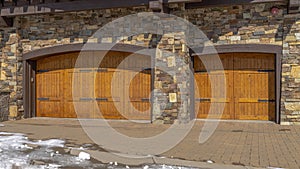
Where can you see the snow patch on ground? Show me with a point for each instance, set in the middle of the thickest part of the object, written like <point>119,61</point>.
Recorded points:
<point>84,156</point>
<point>17,151</point>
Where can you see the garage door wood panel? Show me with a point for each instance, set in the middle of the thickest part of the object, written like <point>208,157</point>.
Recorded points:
<point>49,94</point>
<point>254,61</point>
<point>255,96</point>
<point>96,89</point>
<point>204,97</point>
<point>82,96</point>
<point>138,106</point>
<point>226,60</point>
<point>108,85</point>
<point>250,85</point>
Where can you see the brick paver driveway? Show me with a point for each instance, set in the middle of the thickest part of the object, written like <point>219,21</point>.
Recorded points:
<point>259,144</point>
<point>245,143</point>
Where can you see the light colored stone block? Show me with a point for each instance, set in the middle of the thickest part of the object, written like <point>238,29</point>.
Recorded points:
<point>295,72</point>
<point>140,37</point>
<point>172,97</point>
<point>246,15</point>
<point>292,116</point>
<point>93,40</point>
<point>252,41</point>
<point>297,36</point>
<point>235,38</point>
<point>222,37</point>
<point>3,75</point>
<point>13,48</point>
<point>295,106</point>
<point>13,111</point>
<point>171,61</point>
<point>184,48</point>
<point>158,84</point>
<point>290,38</point>
<point>158,53</point>
<point>285,123</point>
<point>106,40</point>
<point>171,41</point>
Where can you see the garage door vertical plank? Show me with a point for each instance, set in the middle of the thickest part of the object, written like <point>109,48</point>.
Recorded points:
<point>48,90</point>
<point>206,82</point>
<point>256,81</point>
<point>140,92</point>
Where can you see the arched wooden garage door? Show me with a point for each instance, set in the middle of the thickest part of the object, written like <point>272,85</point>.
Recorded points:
<point>117,89</point>
<point>250,87</point>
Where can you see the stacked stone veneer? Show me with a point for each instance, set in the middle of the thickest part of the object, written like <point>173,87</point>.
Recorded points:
<point>239,24</point>
<point>172,80</point>
<point>11,75</point>
<point>290,97</point>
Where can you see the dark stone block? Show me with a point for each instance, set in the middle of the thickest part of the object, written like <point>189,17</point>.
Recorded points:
<point>10,54</point>
<point>258,33</point>
<point>4,111</point>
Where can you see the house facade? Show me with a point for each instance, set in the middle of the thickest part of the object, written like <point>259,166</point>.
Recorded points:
<point>258,43</point>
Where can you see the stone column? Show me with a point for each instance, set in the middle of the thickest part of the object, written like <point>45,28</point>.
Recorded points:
<point>11,73</point>
<point>290,95</point>
<point>172,80</point>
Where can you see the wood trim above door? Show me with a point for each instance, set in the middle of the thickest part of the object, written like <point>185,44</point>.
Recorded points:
<point>37,54</point>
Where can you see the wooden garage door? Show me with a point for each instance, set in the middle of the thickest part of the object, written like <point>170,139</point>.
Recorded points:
<point>99,91</point>
<point>250,87</point>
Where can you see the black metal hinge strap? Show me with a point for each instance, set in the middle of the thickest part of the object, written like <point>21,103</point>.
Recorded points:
<point>261,100</point>
<point>266,70</point>
<point>43,99</point>
<point>203,99</point>
<point>145,100</point>
<point>85,99</point>
<point>85,70</point>
<point>42,71</point>
<point>102,70</point>
<point>201,71</point>
<point>102,99</point>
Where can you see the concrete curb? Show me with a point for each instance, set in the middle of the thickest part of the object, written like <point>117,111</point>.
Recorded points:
<point>106,157</point>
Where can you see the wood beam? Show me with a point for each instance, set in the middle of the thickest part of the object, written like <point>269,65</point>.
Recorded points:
<point>6,22</point>
<point>80,5</point>
<point>294,6</point>
<point>205,3</point>
<point>183,1</point>
<point>70,6</point>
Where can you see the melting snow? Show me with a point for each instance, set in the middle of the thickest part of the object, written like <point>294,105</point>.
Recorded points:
<point>84,156</point>
<point>17,151</point>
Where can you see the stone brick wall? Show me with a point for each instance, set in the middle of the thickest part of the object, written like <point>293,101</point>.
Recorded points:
<point>172,80</point>
<point>11,74</point>
<point>239,24</point>
<point>290,97</point>
<point>43,31</point>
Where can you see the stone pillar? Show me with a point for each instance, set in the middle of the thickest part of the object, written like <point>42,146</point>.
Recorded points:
<point>290,95</point>
<point>172,80</point>
<point>11,73</point>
